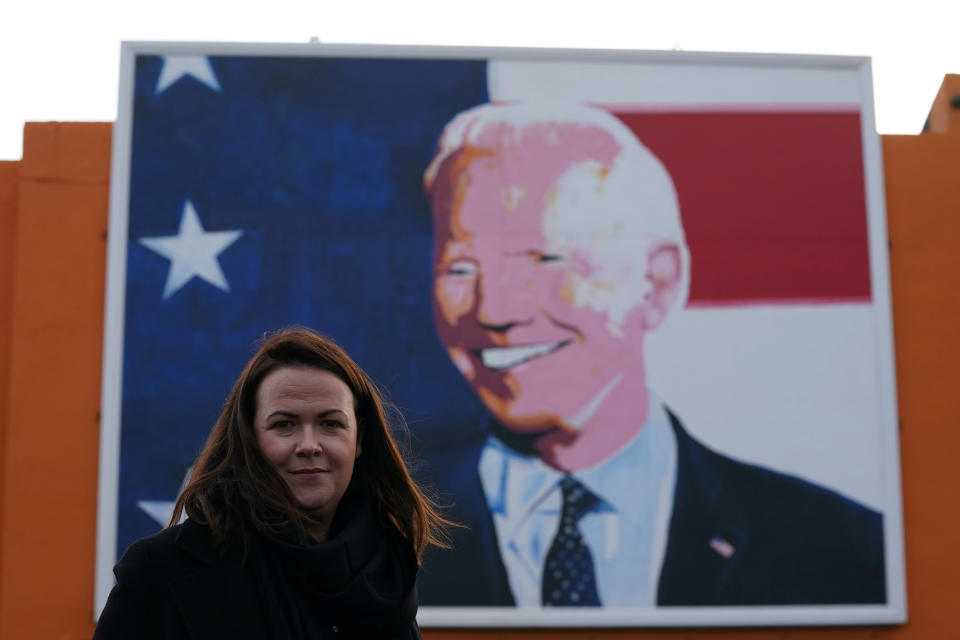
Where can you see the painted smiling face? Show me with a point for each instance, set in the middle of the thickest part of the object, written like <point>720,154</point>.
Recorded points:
<point>542,290</point>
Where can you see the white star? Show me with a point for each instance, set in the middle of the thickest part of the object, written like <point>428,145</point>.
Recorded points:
<point>176,67</point>
<point>159,510</point>
<point>162,510</point>
<point>192,252</point>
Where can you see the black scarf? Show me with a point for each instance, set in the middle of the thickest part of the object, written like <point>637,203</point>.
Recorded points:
<point>361,581</point>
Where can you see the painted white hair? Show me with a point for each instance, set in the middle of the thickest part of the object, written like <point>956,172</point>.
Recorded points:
<point>652,199</point>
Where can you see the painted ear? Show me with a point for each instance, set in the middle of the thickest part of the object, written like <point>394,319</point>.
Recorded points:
<point>664,277</point>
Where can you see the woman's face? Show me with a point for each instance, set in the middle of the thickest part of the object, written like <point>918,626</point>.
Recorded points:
<point>306,427</point>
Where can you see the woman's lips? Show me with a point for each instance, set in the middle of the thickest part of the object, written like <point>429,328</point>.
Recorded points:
<point>308,473</point>
<point>499,358</point>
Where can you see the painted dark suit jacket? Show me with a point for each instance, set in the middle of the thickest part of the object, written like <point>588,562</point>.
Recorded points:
<point>795,542</point>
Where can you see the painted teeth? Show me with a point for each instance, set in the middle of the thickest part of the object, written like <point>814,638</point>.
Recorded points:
<point>506,357</point>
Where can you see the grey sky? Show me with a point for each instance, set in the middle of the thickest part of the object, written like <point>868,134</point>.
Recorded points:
<point>59,60</point>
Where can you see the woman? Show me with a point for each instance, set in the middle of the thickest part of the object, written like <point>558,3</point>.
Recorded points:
<point>303,521</point>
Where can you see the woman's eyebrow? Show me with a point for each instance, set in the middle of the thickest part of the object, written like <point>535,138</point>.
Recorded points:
<point>292,414</point>
<point>280,412</point>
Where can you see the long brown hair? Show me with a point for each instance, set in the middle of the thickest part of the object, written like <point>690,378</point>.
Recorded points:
<point>232,484</point>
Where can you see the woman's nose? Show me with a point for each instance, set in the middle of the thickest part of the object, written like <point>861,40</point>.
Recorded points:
<point>308,443</point>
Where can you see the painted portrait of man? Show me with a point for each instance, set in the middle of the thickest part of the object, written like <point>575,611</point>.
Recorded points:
<point>558,248</point>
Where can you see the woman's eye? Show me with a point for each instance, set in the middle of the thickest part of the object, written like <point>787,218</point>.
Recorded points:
<point>282,424</point>
<point>332,424</point>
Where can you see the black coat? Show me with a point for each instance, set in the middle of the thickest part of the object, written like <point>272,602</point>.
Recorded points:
<point>176,585</point>
<point>793,542</point>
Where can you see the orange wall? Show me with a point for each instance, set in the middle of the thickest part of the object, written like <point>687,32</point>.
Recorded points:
<point>50,466</point>
<point>48,463</point>
<point>923,201</point>
<point>9,179</point>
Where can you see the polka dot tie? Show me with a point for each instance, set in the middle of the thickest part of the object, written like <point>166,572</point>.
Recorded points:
<point>568,577</point>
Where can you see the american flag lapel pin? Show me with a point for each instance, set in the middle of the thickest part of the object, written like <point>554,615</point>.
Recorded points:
<point>723,547</point>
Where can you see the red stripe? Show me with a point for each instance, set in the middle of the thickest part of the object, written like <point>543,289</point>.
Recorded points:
<point>773,203</point>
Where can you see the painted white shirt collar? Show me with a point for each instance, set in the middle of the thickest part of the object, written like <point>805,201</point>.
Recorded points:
<point>626,531</point>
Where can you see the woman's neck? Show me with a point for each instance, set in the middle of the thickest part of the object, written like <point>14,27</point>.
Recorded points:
<point>320,531</point>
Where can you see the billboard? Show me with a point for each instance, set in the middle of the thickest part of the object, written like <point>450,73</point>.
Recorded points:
<point>634,307</point>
